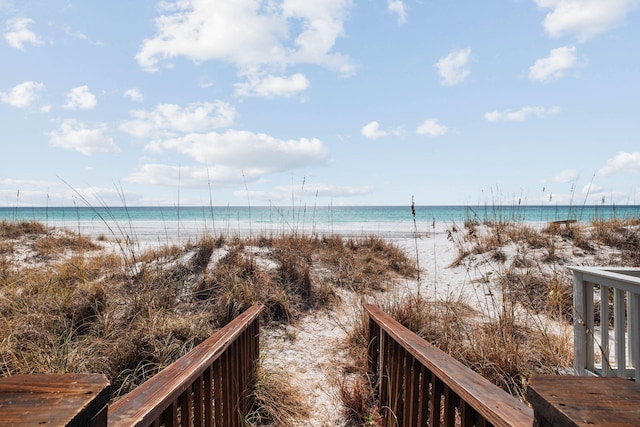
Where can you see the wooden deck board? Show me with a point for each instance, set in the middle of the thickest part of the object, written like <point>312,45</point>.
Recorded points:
<point>52,399</point>
<point>584,401</point>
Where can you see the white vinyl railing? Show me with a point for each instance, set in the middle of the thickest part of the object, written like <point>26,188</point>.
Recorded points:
<point>618,354</point>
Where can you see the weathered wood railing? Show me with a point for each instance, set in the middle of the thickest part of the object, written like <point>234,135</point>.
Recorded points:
<point>421,385</point>
<point>622,356</point>
<point>206,387</point>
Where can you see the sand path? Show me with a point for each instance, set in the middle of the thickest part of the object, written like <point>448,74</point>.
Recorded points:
<point>313,353</point>
<point>312,350</point>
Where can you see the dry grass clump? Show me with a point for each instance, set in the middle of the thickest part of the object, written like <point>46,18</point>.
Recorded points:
<point>292,274</point>
<point>507,351</point>
<point>68,304</point>
<point>276,401</point>
<point>623,235</point>
<point>538,292</point>
<point>364,264</point>
<point>14,230</point>
<point>359,399</point>
<point>40,241</point>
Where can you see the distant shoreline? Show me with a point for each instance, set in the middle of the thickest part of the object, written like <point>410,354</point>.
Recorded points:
<point>175,225</point>
<point>305,216</point>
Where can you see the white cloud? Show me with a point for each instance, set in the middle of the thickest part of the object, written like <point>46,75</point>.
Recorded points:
<point>190,176</point>
<point>284,193</point>
<point>622,162</point>
<point>252,152</point>
<point>205,82</point>
<point>80,98</point>
<point>591,188</point>
<point>565,176</point>
<point>328,190</point>
<point>431,127</point>
<point>22,95</point>
<point>17,33</point>
<point>168,120</point>
<point>553,67</point>
<point>283,33</point>
<point>271,86</point>
<point>372,130</point>
<point>134,95</point>
<point>521,114</point>
<point>453,67</point>
<point>585,18</point>
<point>77,34</point>
<point>46,108</point>
<point>5,5</point>
<point>74,135</point>
<point>398,8</point>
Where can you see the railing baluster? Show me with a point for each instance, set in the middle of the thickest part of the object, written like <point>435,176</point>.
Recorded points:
<point>208,397</point>
<point>186,408</point>
<point>235,384</point>
<point>589,320</point>
<point>449,407</point>
<point>403,381</point>
<point>373,349</point>
<point>412,393</point>
<point>393,383</point>
<point>198,402</point>
<point>425,395</point>
<point>206,387</point>
<point>436,401</point>
<point>619,324</point>
<point>447,391</point>
<point>467,414</point>
<point>171,419</point>
<point>384,374</point>
<point>604,329</point>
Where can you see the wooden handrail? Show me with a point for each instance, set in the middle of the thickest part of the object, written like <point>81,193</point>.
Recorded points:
<point>420,384</point>
<point>206,387</point>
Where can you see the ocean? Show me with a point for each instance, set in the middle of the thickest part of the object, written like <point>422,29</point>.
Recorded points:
<point>165,222</point>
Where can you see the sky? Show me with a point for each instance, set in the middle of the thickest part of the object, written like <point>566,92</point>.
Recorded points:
<point>324,102</point>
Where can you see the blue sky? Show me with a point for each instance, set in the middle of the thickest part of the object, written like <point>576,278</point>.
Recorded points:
<point>336,102</point>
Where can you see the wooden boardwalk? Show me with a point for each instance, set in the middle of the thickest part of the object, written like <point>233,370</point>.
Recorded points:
<point>417,385</point>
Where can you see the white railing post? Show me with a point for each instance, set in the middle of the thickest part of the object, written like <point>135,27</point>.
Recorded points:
<point>589,324</point>
<point>634,333</point>
<point>579,330</point>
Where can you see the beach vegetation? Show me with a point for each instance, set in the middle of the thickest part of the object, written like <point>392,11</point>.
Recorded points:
<point>72,304</point>
<point>69,303</point>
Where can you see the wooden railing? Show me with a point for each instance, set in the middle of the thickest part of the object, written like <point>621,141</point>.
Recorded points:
<point>619,354</point>
<point>421,385</point>
<point>206,387</point>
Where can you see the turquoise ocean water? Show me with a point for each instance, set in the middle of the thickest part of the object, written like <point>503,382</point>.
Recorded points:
<point>394,221</point>
<point>317,214</point>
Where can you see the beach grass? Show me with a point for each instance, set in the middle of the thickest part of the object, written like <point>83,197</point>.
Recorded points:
<point>70,304</point>
<point>74,304</point>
